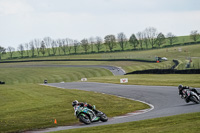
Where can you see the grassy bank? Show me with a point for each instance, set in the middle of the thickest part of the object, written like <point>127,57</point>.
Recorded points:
<point>20,74</point>
<point>174,124</point>
<point>32,106</point>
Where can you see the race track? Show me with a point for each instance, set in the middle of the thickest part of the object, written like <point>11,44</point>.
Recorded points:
<point>165,101</point>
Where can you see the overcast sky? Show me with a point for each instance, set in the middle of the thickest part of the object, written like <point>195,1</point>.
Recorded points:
<point>24,20</point>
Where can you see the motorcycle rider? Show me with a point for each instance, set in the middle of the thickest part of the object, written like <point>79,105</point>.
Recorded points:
<point>181,88</point>
<point>81,104</point>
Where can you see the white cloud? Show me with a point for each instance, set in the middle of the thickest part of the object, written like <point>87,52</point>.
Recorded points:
<point>12,7</point>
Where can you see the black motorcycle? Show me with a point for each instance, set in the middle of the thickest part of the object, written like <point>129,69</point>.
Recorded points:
<point>189,95</point>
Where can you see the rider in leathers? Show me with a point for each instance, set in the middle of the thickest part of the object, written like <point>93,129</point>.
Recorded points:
<point>181,88</point>
<point>81,104</point>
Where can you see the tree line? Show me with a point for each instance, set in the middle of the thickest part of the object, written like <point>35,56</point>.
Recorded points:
<point>148,38</point>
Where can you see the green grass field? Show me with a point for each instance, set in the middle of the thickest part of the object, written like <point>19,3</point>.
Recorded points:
<point>32,106</point>
<point>15,75</point>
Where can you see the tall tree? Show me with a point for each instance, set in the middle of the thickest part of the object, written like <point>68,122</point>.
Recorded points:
<point>69,43</point>
<point>140,37</point>
<point>133,41</point>
<point>32,48</point>
<point>194,35</point>
<point>76,44</point>
<point>11,51</point>
<point>2,51</point>
<point>48,41</point>
<point>98,43</point>
<point>92,42</point>
<point>151,33</point>
<point>110,41</point>
<point>42,48</point>
<point>62,45</point>
<point>54,47</point>
<point>27,48</point>
<point>21,50</point>
<point>122,40</point>
<point>171,38</point>
<point>146,40</point>
<point>37,43</point>
<point>160,39</point>
<point>85,45</point>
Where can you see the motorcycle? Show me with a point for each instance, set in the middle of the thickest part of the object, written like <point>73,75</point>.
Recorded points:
<point>87,116</point>
<point>189,95</point>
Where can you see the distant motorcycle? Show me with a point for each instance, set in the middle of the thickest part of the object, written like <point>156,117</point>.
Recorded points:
<point>191,96</point>
<point>86,115</point>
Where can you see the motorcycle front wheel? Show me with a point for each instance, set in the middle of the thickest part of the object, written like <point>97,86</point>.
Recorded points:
<point>85,119</point>
<point>194,99</point>
<point>104,118</point>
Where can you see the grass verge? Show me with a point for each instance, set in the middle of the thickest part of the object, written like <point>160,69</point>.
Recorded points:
<point>153,79</point>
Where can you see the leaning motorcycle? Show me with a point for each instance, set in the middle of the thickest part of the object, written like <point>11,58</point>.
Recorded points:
<point>191,96</point>
<point>87,116</point>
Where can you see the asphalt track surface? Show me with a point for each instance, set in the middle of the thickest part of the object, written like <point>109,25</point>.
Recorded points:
<point>164,101</point>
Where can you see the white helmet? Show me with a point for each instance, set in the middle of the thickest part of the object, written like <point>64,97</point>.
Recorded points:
<point>74,103</point>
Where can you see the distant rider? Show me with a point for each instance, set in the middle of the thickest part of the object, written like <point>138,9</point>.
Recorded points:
<point>81,104</point>
<point>181,88</point>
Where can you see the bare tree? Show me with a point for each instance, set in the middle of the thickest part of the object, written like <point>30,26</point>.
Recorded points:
<point>85,45</point>
<point>110,41</point>
<point>21,50</point>
<point>194,35</point>
<point>54,47</point>
<point>32,48</point>
<point>98,43</point>
<point>27,48</point>
<point>76,44</point>
<point>171,38</point>
<point>122,40</point>
<point>133,41</point>
<point>42,48</point>
<point>146,40</point>
<point>62,45</point>
<point>151,33</point>
<point>11,51</point>
<point>37,43</point>
<point>2,51</point>
<point>92,42</point>
<point>48,41</point>
<point>140,37</point>
<point>160,39</point>
<point>69,43</point>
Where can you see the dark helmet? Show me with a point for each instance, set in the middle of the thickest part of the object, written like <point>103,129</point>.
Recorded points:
<point>180,87</point>
<point>74,103</point>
